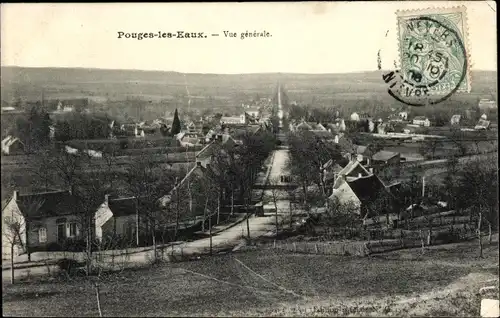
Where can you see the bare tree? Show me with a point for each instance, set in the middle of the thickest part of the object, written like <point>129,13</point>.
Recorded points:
<point>478,193</point>
<point>428,148</point>
<point>43,168</point>
<point>88,195</point>
<point>274,195</point>
<point>66,166</point>
<point>148,183</point>
<point>109,156</point>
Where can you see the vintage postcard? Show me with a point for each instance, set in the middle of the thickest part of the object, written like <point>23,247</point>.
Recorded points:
<point>250,159</point>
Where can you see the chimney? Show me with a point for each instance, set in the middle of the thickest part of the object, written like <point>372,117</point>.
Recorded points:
<point>368,162</point>
<point>106,199</point>
<point>371,170</point>
<point>71,189</point>
<point>15,195</point>
<point>359,175</point>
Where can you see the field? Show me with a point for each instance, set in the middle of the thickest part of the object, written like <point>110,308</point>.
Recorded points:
<point>167,90</point>
<point>443,281</point>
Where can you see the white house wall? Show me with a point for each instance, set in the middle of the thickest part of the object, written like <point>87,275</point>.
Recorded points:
<point>12,211</point>
<point>345,195</point>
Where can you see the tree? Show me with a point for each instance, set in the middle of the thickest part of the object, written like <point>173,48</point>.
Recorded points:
<point>43,169</point>
<point>273,194</point>
<point>109,155</point>
<point>34,129</point>
<point>428,148</point>
<point>307,156</point>
<point>176,124</point>
<point>66,167</point>
<point>148,183</point>
<point>89,194</point>
<point>478,193</point>
<point>164,130</point>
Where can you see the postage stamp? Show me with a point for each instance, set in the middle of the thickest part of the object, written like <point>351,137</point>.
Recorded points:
<point>434,56</point>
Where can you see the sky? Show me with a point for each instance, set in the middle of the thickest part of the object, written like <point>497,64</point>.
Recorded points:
<point>328,37</point>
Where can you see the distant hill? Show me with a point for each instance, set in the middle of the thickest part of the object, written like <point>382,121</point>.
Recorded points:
<point>100,85</point>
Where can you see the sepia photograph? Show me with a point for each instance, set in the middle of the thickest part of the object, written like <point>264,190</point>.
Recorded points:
<point>273,159</point>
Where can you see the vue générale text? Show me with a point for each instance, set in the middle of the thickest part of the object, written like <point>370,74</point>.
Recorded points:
<point>190,35</point>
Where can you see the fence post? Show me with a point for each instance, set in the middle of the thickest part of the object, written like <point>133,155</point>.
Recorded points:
<point>274,244</point>
<point>294,247</point>
<point>316,248</point>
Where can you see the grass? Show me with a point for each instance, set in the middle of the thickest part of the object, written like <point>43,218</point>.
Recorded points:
<point>221,285</point>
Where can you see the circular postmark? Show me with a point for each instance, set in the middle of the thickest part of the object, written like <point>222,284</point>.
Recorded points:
<point>433,62</point>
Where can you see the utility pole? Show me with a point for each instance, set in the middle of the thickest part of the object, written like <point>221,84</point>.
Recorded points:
<point>136,221</point>
<point>423,186</point>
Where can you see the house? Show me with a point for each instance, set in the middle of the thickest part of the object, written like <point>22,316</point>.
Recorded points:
<point>117,218</point>
<point>8,109</point>
<point>330,171</point>
<point>395,118</point>
<point>232,120</point>
<point>250,119</point>
<point>316,126</point>
<point>355,117</point>
<point>364,154</point>
<point>421,121</point>
<point>371,126</point>
<point>482,125</point>
<point>184,184</point>
<point>187,141</point>
<point>49,220</point>
<point>484,117</point>
<point>455,119</point>
<point>381,128</point>
<point>485,103</point>
<point>303,126</point>
<point>362,191</point>
<point>403,115</point>
<point>252,111</point>
<point>12,145</point>
<point>386,157</point>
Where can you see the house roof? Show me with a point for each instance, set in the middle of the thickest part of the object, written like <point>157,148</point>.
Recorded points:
<point>483,123</point>
<point>9,141</point>
<point>55,203</point>
<point>316,126</point>
<point>420,118</point>
<point>304,126</point>
<point>348,169</point>
<point>384,155</point>
<point>197,170</point>
<point>208,150</point>
<point>368,190</point>
<point>122,206</point>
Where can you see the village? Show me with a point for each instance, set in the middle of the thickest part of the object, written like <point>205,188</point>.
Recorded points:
<point>88,193</point>
<point>354,158</point>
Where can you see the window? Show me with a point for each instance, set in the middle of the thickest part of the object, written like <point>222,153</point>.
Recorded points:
<point>73,230</point>
<point>286,179</point>
<point>42,235</point>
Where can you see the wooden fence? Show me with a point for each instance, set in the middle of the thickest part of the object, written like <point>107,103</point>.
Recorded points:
<point>406,239</point>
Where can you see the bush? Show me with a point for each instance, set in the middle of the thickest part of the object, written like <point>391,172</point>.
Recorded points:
<point>74,245</point>
<point>52,247</point>
<point>447,237</point>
